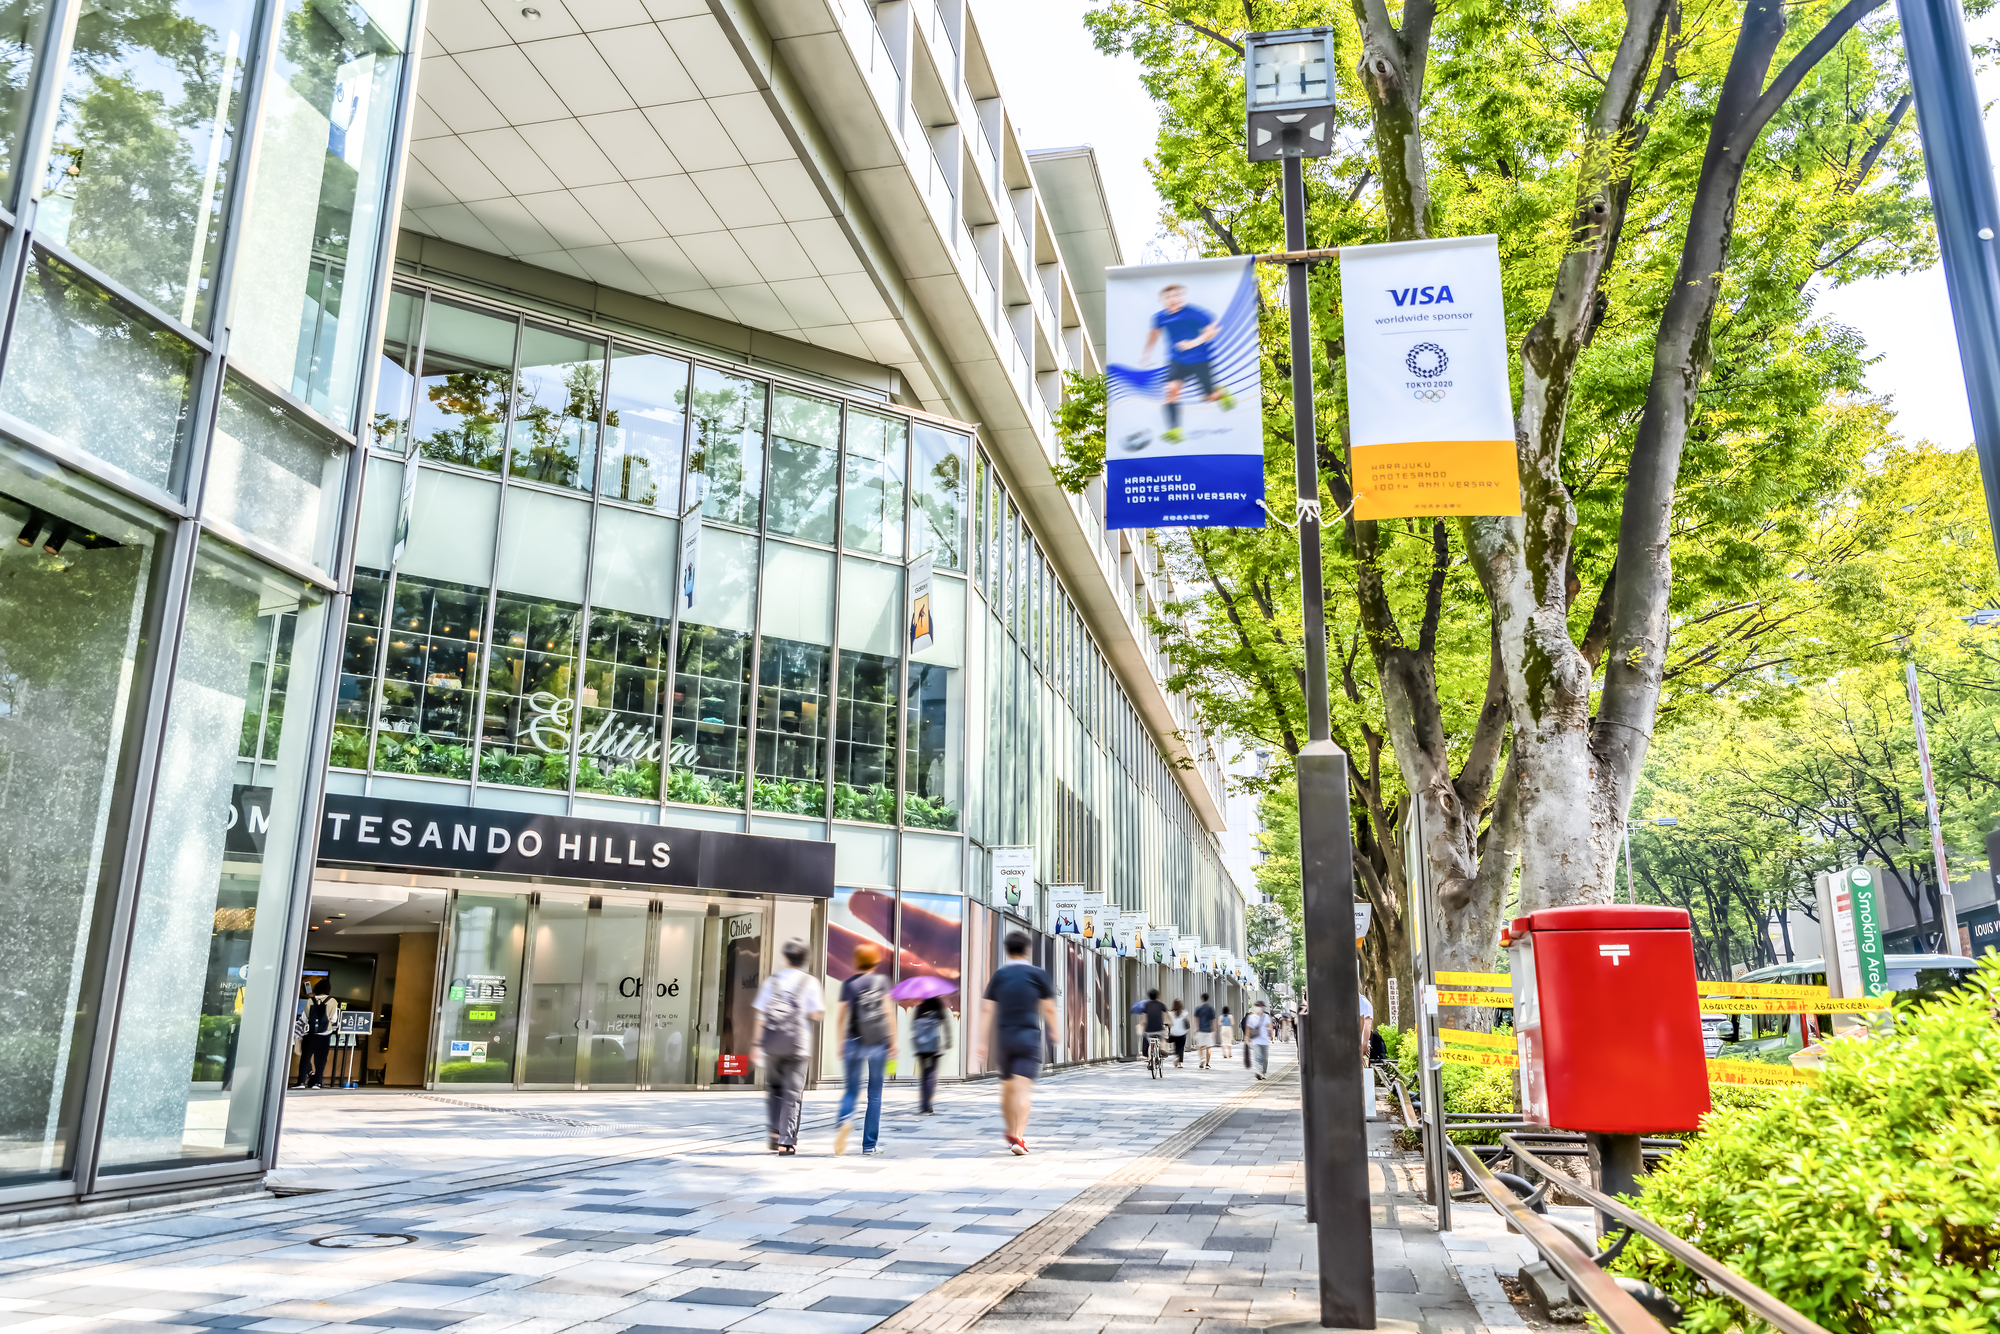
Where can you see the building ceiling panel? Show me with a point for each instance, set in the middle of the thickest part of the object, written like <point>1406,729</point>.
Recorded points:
<point>507,155</point>
<point>708,56</point>
<point>455,223</point>
<point>831,250</point>
<point>663,265</point>
<point>559,260</point>
<point>753,129</point>
<point>675,9</point>
<point>609,13</point>
<point>678,205</point>
<point>566,219</point>
<point>609,266</point>
<point>457,168</point>
<point>629,139</point>
<point>569,151</point>
<point>462,25</point>
<point>791,188</point>
<point>694,134</point>
<point>809,301</point>
<point>719,260</point>
<point>736,197</point>
<point>421,189</point>
<point>509,79</point>
<point>858,296</point>
<point>455,98</point>
<point>579,75</point>
<point>514,223</point>
<point>703,300</point>
<point>756,305</point>
<point>554,20</point>
<point>426,123</point>
<point>777,253</point>
<point>620,212</point>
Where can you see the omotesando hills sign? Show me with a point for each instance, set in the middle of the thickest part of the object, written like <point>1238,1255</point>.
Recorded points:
<point>372,831</point>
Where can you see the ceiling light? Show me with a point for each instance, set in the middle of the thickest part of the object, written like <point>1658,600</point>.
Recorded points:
<point>530,13</point>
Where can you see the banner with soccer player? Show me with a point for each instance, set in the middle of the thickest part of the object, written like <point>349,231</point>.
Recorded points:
<point>1184,428</point>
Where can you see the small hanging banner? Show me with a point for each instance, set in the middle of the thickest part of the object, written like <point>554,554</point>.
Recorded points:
<point>920,603</point>
<point>690,554</point>
<point>1428,402</point>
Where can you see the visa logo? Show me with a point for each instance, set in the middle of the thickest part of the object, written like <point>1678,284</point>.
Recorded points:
<point>1421,296</point>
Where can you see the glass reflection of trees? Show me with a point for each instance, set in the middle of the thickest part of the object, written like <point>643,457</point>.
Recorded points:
<point>354,697</point>
<point>931,801</point>
<point>644,425</point>
<point>427,678</point>
<point>20,27</point>
<point>711,716</point>
<point>556,401</point>
<point>530,683</point>
<point>864,741</point>
<point>937,491</point>
<point>393,379</point>
<point>805,458</point>
<point>624,680</point>
<point>462,386</point>
<point>791,726</point>
<point>728,447</point>
<point>144,144</point>
<point>873,517</point>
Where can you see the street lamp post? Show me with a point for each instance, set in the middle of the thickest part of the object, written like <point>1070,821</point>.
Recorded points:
<point>1288,94</point>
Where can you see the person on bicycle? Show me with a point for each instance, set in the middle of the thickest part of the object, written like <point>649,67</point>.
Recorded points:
<point>1155,1023</point>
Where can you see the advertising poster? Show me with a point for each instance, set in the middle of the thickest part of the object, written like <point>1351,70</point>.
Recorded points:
<point>1160,946</point>
<point>1184,429</point>
<point>1065,910</point>
<point>1131,934</point>
<point>690,555</point>
<point>1013,887</point>
<point>1205,959</point>
<point>1096,923</point>
<point>1428,402</point>
<point>920,603</point>
<point>1186,948</point>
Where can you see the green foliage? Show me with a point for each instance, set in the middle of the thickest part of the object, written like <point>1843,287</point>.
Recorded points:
<point>523,768</point>
<point>350,748</point>
<point>921,812</point>
<point>625,780</point>
<point>417,753</point>
<point>1080,431</point>
<point>1869,1201</point>
<point>875,804</point>
<point>1467,1088</point>
<point>788,798</point>
<point>700,790</point>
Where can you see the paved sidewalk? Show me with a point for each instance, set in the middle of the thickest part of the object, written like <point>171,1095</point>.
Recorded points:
<point>668,1215</point>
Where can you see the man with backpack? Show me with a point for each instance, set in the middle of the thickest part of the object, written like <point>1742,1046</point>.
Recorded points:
<point>862,1016</point>
<point>322,1024</point>
<point>787,1005</point>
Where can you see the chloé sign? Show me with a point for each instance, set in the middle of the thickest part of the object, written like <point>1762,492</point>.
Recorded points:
<point>371,831</point>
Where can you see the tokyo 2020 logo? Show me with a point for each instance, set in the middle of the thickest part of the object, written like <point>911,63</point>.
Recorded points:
<point>1427,361</point>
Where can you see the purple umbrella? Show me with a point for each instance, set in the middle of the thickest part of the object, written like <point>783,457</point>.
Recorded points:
<point>922,988</point>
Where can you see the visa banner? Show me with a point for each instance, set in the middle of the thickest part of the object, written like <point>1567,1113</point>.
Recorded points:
<point>1184,427</point>
<point>1428,401</point>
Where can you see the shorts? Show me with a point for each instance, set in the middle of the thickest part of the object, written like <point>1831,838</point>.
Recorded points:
<point>1203,1041</point>
<point>1199,372</point>
<point>1020,1058</point>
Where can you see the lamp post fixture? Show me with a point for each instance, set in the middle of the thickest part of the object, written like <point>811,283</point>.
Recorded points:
<point>1631,890</point>
<point>1288,109</point>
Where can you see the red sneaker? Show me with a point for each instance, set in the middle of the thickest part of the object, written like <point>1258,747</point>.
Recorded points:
<point>1019,1146</point>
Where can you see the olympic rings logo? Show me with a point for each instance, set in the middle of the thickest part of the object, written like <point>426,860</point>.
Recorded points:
<point>1428,395</point>
<point>1426,361</point>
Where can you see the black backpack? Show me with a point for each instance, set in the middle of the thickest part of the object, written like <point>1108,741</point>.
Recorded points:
<point>871,1011</point>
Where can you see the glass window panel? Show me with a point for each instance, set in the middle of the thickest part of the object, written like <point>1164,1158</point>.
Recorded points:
<point>395,375</point>
<point>1009,600</point>
<point>556,394</point>
<point>645,426</point>
<point>452,522</point>
<point>70,636</point>
<point>21,35</point>
<point>937,488</point>
<point>996,541</point>
<point>274,474</point>
<point>462,386</point>
<point>871,607</point>
<point>72,338</point>
<point>793,680</point>
<point>805,453</point>
<point>979,523</point>
<point>634,567</point>
<point>531,665</point>
<point>728,448</point>
<point>187,1080</point>
<point>314,217</point>
<point>145,145</point>
<point>935,720</point>
<point>429,672</point>
<point>711,704</point>
<point>354,697</point>
<point>374,538</point>
<point>623,702</point>
<point>479,1020</point>
<point>873,499</point>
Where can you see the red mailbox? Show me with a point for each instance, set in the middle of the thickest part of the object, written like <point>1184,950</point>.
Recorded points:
<point>1606,1021</point>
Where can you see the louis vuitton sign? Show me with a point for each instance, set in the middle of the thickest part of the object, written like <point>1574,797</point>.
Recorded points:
<point>370,831</point>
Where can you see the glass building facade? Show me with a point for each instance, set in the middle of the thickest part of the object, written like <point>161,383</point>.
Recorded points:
<point>187,353</point>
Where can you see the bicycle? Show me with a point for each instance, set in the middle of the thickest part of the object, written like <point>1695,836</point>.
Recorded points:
<point>1156,1054</point>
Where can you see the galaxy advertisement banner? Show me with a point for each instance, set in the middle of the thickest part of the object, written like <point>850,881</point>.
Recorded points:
<point>1430,411</point>
<point>1184,428</point>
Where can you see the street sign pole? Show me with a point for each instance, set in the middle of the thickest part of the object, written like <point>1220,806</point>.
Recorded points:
<point>1288,95</point>
<point>1967,212</point>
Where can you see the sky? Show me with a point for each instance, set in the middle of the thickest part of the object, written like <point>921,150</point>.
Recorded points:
<point>1062,92</point>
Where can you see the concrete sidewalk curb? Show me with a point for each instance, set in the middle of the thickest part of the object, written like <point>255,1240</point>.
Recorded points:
<point>960,1301</point>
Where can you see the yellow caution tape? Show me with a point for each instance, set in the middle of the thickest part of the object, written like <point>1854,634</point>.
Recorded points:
<point>1817,1005</point>
<point>1467,1039</point>
<point>1477,979</point>
<point>1486,998</point>
<point>1505,1060</point>
<point>1757,1072</point>
<point>1757,989</point>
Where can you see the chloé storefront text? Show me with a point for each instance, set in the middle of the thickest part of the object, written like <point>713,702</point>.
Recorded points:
<point>568,952</point>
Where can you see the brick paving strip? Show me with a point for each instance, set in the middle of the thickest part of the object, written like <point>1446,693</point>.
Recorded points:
<point>959,1302</point>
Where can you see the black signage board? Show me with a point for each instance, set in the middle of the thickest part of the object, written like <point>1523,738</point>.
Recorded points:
<point>370,831</point>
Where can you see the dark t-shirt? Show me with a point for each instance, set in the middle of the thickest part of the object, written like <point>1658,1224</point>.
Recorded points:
<point>1017,992</point>
<point>1204,1016</point>
<point>851,990</point>
<point>1156,1016</point>
<point>1184,326</point>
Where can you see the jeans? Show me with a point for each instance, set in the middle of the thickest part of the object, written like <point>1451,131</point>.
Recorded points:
<point>1262,1054</point>
<point>927,1068</point>
<point>855,1056</point>
<point>784,1095</point>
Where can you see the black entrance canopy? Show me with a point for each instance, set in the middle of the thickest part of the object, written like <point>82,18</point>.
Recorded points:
<point>370,831</point>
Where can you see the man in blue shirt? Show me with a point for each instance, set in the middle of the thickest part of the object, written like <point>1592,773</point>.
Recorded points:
<point>1024,1007</point>
<point>1190,333</point>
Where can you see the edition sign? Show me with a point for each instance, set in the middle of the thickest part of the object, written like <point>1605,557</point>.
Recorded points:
<point>374,832</point>
<point>1427,391</point>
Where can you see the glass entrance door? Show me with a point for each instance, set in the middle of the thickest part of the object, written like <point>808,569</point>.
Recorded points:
<point>555,993</point>
<point>585,994</point>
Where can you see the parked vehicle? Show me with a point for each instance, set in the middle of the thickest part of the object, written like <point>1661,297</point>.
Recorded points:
<point>1774,1037</point>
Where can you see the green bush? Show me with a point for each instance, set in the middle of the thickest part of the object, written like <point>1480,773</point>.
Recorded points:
<point>1869,1201</point>
<point>1467,1088</point>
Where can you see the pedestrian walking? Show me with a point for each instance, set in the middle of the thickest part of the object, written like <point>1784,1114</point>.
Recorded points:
<point>1222,1037</point>
<point>862,1016</point>
<point>1177,1032</point>
<point>1024,1011</point>
<point>788,1005</point>
<point>1204,1029</point>
<point>930,1036</point>
<point>1257,1040</point>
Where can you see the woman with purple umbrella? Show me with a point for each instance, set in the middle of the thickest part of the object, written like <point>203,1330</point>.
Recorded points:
<point>930,1031</point>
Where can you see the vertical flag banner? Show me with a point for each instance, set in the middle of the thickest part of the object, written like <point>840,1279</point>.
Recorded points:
<point>1066,910</point>
<point>1428,402</point>
<point>690,555</point>
<point>1185,949</point>
<point>405,502</point>
<point>1184,428</point>
<point>1160,945</point>
<point>1096,924</point>
<point>920,603</point>
<point>1131,934</point>
<point>1013,879</point>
